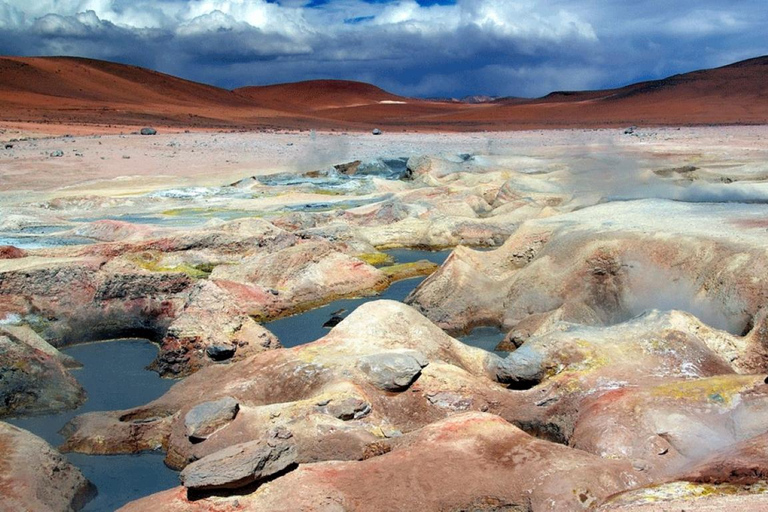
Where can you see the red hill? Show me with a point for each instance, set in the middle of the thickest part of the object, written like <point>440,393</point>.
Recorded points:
<point>68,90</point>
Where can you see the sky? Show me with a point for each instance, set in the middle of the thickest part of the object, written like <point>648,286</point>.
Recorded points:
<point>424,48</point>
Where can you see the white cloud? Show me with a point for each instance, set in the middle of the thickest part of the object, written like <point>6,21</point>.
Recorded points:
<point>705,22</point>
<point>506,18</point>
<point>516,47</point>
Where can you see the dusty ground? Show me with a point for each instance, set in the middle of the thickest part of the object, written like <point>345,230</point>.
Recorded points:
<point>117,164</point>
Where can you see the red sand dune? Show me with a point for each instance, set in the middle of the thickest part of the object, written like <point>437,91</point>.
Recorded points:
<point>64,90</point>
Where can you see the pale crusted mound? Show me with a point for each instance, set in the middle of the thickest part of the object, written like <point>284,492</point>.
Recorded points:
<point>607,263</point>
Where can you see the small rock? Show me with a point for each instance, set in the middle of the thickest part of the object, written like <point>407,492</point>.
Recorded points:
<point>238,466</point>
<point>280,432</point>
<point>9,146</point>
<point>450,400</point>
<point>220,352</point>
<point>350,408</point>
<point>348,168</point>
<point>393,371</point>
<point>375,449</point>
<point>630,130</point>
<point>376,131</point>
<point>333,321</point>
<point>148,131</point>
<point>204,419</point>
<point>390,432</point>
<point>523,367</point>
<point>57,153</point>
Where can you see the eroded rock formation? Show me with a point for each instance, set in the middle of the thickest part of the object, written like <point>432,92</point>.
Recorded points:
<point>35,477</point>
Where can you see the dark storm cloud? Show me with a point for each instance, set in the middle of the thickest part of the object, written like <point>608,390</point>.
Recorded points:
<point>425,48</point>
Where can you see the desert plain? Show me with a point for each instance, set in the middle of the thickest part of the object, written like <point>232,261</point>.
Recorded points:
<point>622,270</point>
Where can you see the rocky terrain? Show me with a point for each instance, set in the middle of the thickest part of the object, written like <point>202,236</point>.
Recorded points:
<point>626,271</point>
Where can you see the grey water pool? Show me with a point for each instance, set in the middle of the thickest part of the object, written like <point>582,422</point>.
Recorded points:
<point>114,376</point>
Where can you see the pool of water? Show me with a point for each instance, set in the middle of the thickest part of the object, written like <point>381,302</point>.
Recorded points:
<point>114,376</point>
<point>308,326</point>
<point>35,241</point>
<point>311,325</point>
<point>486,338</point>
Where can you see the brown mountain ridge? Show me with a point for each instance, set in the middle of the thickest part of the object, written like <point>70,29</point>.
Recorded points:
<point>78,91</point>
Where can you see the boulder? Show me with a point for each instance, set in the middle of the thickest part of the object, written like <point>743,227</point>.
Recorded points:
<point>148,131</point>
<point>239,466</point>
<point>206,418</point>
<point>350,408</point>
<point>34,382</point>
<point>34,477</point>
<point>220,353</point>
<point>211,328</point>
<point>655,344</point>
<point>393,371</point>
<point>26,335</point>
<point>304,275</point>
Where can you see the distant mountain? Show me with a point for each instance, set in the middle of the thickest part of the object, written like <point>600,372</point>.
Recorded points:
<point>474,99</point>
<point>316,95</point>
<point>84,91</point>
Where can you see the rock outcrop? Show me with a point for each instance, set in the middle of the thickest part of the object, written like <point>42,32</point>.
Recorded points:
<point>36,478</point>
<point>238,466</point>
<point>472,461</point>
<point>204,419</point>
<point>33,381</point>
<point>605,264</point>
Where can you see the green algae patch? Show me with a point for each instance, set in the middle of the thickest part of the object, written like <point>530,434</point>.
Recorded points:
<point>377,259</point>
<point>152,262</point>
<point>719,390</point>
<point>408,270</point>
<point>211,213</point>
<point>684,491</point>
<point>273,313</point>
<point>327,192</point>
